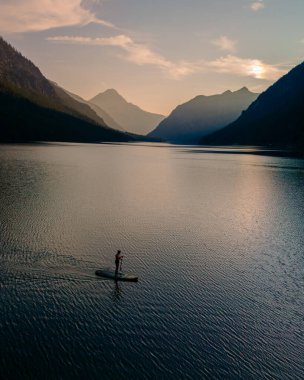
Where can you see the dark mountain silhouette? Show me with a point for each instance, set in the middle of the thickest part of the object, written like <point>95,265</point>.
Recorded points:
<point>275,118</point>
<point>22,120</point>
<point>32,108</point>
<point>19,73</point>
<point>129,116</point>
<point>203,115</point>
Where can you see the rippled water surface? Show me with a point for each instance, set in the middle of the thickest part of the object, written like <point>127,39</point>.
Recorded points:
<point>216,239</point>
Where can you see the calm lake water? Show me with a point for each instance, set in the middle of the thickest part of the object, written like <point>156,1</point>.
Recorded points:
<point>216,239</point>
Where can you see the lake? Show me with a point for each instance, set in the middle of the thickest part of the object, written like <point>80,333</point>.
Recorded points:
<point>216,239</point>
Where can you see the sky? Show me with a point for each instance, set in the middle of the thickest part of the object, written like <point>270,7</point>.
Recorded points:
<point>157,53</point>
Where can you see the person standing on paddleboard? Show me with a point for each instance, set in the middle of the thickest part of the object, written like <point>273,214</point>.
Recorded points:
<point>118,258</point>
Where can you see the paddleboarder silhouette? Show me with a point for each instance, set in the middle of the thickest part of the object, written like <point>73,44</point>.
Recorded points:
<point>118,260</point>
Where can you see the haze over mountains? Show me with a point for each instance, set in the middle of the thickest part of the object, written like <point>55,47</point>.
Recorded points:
<point>203,115</point>
<point>129,116</point>
<point>275,118</point>
<point>32,108</point>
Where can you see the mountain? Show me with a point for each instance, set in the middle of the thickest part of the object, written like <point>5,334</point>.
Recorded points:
<point>32,108</point>
<point>22,120</point>
<point>275,118</point>
<point>100,112</point>
<point>203,115</point>
<point>129,116</point>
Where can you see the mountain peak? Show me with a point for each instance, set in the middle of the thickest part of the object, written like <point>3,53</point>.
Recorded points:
<point>111,91</point>
<point>275,118</point>
<point>129,116</point>
<point>243,90</point>
<point>36,109</point>
<point>110,95</point>
<point>203,115</point>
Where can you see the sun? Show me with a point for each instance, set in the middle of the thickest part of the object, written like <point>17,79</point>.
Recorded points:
<point>256,70</point>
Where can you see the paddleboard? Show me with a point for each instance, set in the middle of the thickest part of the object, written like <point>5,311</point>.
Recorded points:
<point>110,273</point>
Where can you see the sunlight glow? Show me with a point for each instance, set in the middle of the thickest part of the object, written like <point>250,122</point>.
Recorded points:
<point>256,70</point>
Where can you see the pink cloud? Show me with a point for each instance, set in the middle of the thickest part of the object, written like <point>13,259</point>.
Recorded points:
<point>141,54</point>
<point>17,16</point>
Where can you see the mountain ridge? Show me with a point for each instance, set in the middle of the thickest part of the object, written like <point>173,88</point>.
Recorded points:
<point>276,117</point>
<point>31,98</point>
<point>110,122</point>
<point>131,117</point>
<point>202,115</point>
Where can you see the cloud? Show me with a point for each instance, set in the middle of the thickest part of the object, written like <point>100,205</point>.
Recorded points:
<point>36,15</point>
<point>137,53</point>
<point>224,43</point>
<point>141,54</point>
<point>257,5</point>
<point>247,67</point>
<point>120,40</point>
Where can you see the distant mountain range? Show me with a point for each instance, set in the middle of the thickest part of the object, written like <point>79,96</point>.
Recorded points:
<point>203,115</point>
<point>33,108</point>
<point>275,118</point>
<point>129,116</point>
